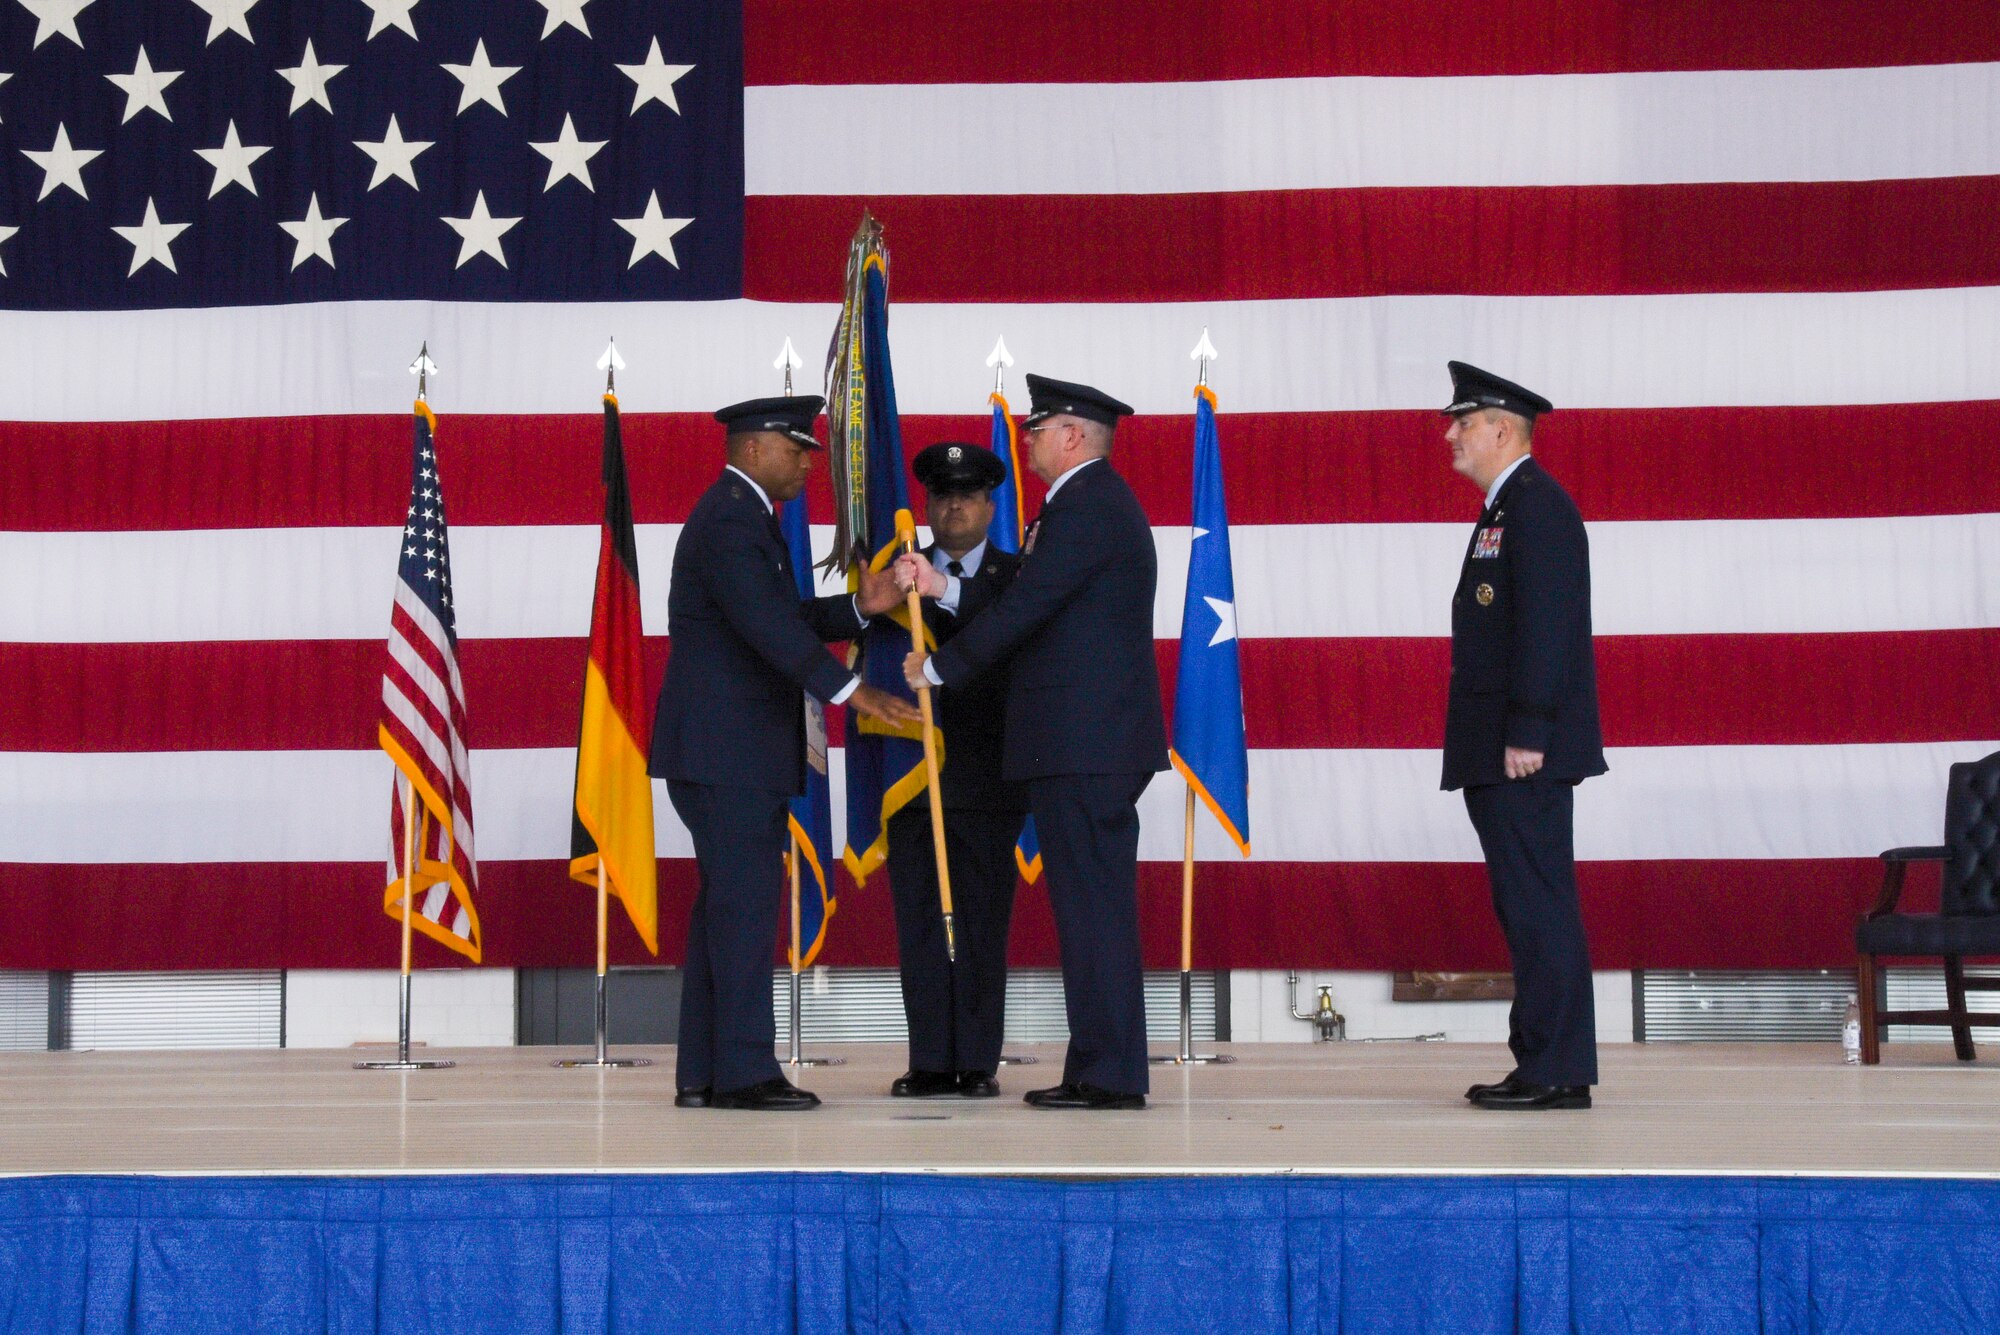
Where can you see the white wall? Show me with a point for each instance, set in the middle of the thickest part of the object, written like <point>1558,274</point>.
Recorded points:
<point>449,1008</point>
<point>459,1008</point>
<point>1260,1009</point>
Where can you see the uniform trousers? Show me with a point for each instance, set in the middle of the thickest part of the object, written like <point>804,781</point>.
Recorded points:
<point>957,1013</point>
<point>728,1036</point>
<point>1526,829</point>
<point>1088,825</point>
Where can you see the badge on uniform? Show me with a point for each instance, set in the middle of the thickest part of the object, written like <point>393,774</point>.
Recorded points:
<point>1486,545</point>
<point>1029,546</point>
<point>1484,593</point>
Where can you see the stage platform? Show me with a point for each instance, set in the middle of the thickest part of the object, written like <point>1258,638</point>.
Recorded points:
<point>1328,1109</point>
<point>1339,1189</point>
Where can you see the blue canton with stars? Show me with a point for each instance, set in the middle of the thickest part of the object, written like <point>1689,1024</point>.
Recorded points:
<point>425,564</point>
<point>154,155</point>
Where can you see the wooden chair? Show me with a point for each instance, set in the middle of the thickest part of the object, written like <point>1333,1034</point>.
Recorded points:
<point>1968,920</point>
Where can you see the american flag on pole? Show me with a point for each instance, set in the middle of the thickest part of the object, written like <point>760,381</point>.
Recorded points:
<point>423,719</point>
<point>1747,249</point>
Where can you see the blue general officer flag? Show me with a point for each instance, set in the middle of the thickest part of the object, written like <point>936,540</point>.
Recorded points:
<point>1208,747</point>
<point>811,814</point>
<point>1005,535</point>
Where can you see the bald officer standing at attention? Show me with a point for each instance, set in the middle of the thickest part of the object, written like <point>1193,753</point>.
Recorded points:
<point>1521,730</point>
<point>729,738</point>
<point>1084,727</point>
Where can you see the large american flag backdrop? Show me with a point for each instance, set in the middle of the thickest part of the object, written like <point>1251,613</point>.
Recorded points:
<point>1748,249</point>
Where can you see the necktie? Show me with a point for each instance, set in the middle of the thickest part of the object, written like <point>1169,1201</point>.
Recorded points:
<point>954,569</point>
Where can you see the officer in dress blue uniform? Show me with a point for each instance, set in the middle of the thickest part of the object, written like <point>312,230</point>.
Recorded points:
<point>1084,727</point>
<point>1521,730</point>
<point>957,1012</point>
<point>729,739</point>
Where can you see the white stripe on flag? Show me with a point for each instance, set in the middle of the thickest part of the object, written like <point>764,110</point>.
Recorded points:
<point>1656,577</point>
<point>1342,133</point>
<point>1308,805</point>
<point>1693,350</point>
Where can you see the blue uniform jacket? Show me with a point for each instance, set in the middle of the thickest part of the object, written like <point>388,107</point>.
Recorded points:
<point>1522,670</point>
<point>972,715</point>
<point>1083,695</point>
<point>744,648</point>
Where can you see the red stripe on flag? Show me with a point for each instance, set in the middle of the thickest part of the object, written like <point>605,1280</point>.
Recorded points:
<point>1143,41</point>
<point>1780,914</point>
<point>1273,245</point>
<point>616,645</point>
<point>1657,690</point>
<point>1284,468</point>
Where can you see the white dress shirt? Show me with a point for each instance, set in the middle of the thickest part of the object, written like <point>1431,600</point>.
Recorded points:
<point>1501,481</point>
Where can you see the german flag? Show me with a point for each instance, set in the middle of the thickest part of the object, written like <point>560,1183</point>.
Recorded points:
<point>613,822</point>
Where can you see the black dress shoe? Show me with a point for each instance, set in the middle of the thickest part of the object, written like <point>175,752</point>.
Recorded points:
<point>977,1085</point>
<point>774,1095</point>
<point>924,1085</point>
<point>1524,1096</point>
<point>1082,1096</point>
<point>1509,1081</point>
<point>692,1098</point>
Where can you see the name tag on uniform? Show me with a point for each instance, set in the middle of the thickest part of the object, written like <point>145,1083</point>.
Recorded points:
<point>1486,545</point>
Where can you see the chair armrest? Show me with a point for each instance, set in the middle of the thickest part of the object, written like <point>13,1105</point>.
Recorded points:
<point>1927,853</point>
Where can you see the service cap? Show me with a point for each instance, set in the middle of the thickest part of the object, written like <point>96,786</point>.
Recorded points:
<point>790,416</point>
<point>1059,397</point>
<point>1472,388</point>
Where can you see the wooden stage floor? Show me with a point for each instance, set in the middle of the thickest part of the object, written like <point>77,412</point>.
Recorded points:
<point>1763,1109</point>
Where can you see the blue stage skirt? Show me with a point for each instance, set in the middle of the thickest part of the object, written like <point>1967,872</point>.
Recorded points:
<point>874,1253</point>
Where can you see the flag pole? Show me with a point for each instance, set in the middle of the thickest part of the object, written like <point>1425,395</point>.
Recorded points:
<point>402,1060</point>
<point>798,1057</point>
<point>1187,1056</point>
<point>906,529</point>
<point>1000,359</point>
<point>609,364</point>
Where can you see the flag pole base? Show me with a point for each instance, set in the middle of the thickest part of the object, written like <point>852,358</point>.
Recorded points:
<point>1007,1060</point>
<point>403,1061</point>
<point>794,1057</point>
<point>419,1064</point>
<point>568,1063</point>
<point>1187,1056</point>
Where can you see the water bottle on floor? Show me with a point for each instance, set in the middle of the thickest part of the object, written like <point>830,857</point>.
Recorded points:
<point>1850,1033</point>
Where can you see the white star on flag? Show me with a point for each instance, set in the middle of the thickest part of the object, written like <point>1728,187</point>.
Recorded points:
<point>308,80</point>
<point>5,232</point>
<point>656,80</point>
<point>564,11</point>
<point>569,156</point>
<point>1227,613</point>
<point>231,162</point>
<point>653,233</point>
<point>56,16</point>
<point>61,164</point>
<point>480,235</point>
<point>481,80</point>
<point>390,13</point>
<point>151,240</point>
<point>314,235</point>
<point>144,88</point>
<point>227,16</point>
<point>394,155</point>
